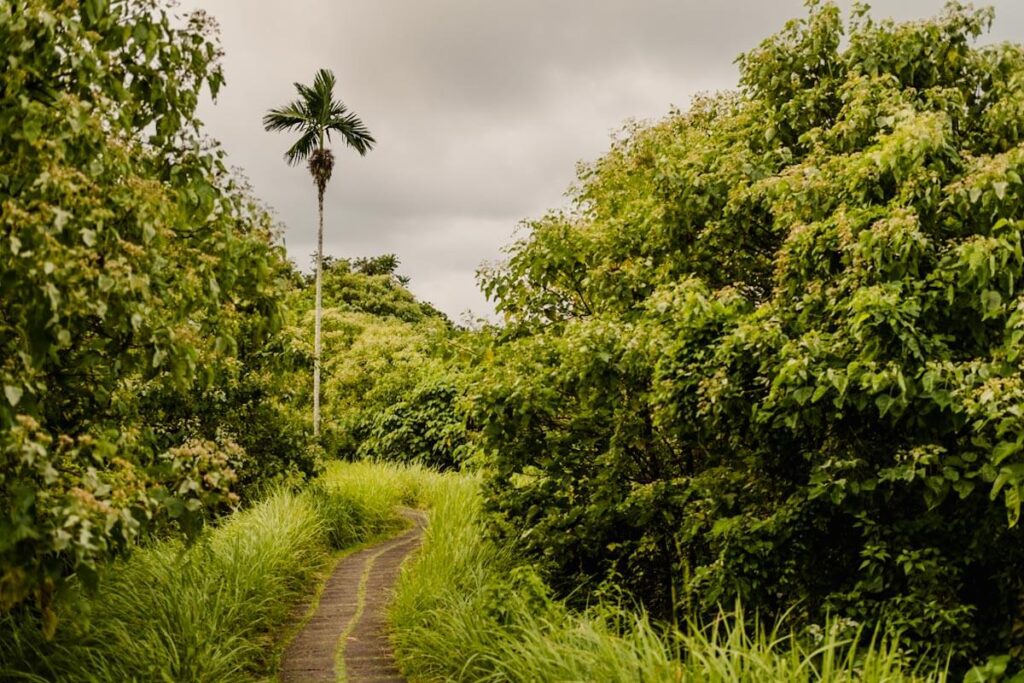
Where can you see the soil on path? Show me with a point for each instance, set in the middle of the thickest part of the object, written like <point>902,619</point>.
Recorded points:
<point>348,632</point>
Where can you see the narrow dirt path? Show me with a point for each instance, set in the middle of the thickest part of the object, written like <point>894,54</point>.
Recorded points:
<point>353,612</point>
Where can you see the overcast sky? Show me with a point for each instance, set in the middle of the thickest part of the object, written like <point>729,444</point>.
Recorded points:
<point>481,108</point>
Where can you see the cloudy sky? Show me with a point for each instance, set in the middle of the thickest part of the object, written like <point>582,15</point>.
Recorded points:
<point>481,108</point>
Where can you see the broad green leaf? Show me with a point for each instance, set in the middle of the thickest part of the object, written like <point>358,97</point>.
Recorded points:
<point>13,394</point>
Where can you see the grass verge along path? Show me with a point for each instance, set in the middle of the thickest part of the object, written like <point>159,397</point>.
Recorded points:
<point>348,632</point>
<point>467,609</point>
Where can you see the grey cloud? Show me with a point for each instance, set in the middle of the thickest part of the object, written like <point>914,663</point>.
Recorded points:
<point>481,107</point>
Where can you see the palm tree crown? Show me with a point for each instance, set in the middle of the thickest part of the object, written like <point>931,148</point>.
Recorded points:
<point>316,115</point>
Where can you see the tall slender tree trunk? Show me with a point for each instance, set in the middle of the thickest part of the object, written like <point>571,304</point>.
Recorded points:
<point>319,302</point>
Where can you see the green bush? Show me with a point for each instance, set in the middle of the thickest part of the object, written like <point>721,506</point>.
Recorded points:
<point>371,285</point>
<point>774,355</point>
<point>141,295</point>
<point>425,427</point>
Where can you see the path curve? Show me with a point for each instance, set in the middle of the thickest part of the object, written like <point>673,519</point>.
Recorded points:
<point>353,609</point>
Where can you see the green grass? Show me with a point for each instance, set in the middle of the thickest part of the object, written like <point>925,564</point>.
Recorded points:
<point>217,610</point>
<point>467,610</point>
<point>172,613</point>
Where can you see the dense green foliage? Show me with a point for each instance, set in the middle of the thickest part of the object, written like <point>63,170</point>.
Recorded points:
<point>390,385</point>
<point>469,610</point>
<point>774,353</point>
<point>424,427</point>
<point>139,331</point>
<point>372,286</point>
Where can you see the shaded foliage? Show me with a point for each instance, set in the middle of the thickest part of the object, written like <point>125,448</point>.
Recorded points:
<point>425,427</point>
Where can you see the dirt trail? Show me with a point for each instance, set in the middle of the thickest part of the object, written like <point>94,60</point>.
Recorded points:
<point>353,609</point>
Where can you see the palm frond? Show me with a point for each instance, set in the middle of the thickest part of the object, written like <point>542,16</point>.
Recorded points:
<point>338,109</point>
<point>288,117</point>
<point>323,84</point>
<point>353,131</point>
<point>303,147</point>
<point>317,114</point>
<point>310,99</point>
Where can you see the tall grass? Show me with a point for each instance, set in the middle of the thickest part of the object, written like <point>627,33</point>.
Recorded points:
<point>214,611</point>
<point>467,610</point>
<point>172,613</point>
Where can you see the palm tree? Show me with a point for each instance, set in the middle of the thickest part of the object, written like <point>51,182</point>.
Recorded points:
<point>315,115</point>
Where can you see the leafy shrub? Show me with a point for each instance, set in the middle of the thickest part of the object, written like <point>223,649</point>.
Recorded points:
<point>140,284</point>
<point>775,353</point>
<point>371,285</point>
<point>425,427</point>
